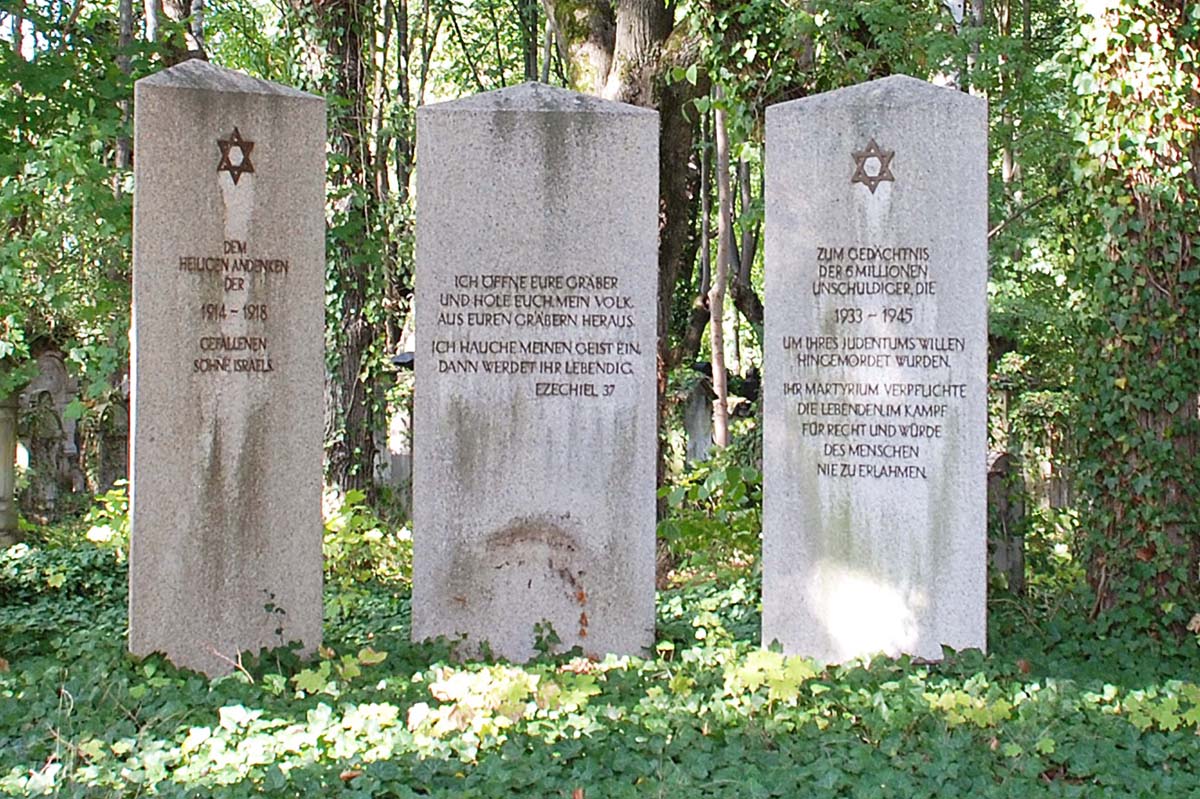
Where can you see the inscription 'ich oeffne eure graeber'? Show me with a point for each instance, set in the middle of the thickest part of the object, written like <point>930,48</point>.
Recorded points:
<point>232,333</point>
<point>873,389</point>
<point>567,335</point>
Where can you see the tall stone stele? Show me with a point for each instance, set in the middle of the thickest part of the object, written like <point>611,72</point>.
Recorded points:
<point>535,419</point>
<point>874,523</point>
<point>228,364</point>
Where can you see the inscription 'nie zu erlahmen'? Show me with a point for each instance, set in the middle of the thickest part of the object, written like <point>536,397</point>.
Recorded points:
<point>844,384</point>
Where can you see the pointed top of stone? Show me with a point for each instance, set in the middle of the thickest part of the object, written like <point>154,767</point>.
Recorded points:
<point>887,90</point>
<point>534,96</point>
<point>202,75</point>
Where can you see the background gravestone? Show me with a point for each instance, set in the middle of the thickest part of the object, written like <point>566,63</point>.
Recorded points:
<point>49,435</point>
<point>228,364</point>
<point>875,459</point>
<point>8,470</point>
<point>697,420</point>
<point>535,419</point>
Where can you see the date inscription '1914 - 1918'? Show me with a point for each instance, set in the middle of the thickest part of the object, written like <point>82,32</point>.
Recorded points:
<point>232,333</point>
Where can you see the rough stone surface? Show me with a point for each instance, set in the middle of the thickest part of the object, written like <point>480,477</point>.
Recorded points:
<point>534,467</point>
<point>228,364</point>
<point>697,421</point>
<point>875,418</point>
<point>8,470</point>
<point>51,376</point>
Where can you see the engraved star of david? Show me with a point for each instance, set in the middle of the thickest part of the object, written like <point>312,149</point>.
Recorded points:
<point>241,167</point>
<point>860,166</point>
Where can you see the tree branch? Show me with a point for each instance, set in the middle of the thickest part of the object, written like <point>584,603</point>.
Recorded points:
<point>466,51</point>
<point>1000,227</point>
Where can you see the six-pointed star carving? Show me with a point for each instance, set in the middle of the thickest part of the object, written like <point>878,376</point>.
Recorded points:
<point>244,147</point>
<point>860,166</point>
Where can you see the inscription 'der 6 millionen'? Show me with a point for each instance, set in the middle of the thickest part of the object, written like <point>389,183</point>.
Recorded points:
<point>895,385</point>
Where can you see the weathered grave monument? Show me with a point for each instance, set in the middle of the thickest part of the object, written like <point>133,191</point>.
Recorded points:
<point>875,418</point>
<point>228,364</point>
<point>8,470</point>
<point>535,419</point>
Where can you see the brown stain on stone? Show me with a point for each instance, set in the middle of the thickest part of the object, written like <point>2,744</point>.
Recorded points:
<point>530,569</point>
<point>513,543</point>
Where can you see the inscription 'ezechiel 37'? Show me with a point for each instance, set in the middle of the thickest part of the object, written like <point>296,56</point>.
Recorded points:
<point>244,147</point>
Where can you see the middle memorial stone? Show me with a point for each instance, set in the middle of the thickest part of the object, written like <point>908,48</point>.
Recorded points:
<point>535,412</point>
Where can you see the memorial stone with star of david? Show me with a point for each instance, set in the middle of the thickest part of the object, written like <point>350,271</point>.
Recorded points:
<point>227,367</point>
<point>874,522</point>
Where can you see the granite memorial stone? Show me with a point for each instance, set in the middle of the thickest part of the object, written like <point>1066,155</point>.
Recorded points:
<point>228,366</point>
<point>535,419</point>
<point>875,417</point>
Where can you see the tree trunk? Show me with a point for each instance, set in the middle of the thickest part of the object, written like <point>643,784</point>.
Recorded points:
<point>716,295</point>
<point>17,21</point>
<point>745,298</point>
<point>561,46</point>
<point>152,9</point>
<point>705,207</point>
<point>692,335</point>
<point>978,11</point>
<point>178,48</point>
<point>379,94</point>
<point>527,21</point>
<point>124,149</point>
<point>350,388</point>
<point>196,25</point>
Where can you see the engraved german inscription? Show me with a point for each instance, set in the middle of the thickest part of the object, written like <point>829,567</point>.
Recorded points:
<point>562,335</point>
<point>231,336</point>
<point>879,379</point>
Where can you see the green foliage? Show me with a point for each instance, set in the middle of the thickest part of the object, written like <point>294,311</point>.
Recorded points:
<point>482,48</point>
<point>108,520</point>
<point>709,613</point>
<point>256,37</point>
<point>66,210</point>
<point>1135,115</point>
<point>1051,711</point>
<point>765,51</point>
<point>360,547</point>
<point>81,570</point>
<point>715,514</point>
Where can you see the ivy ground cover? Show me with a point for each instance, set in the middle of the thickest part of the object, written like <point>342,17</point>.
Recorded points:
<point>1053,710</point>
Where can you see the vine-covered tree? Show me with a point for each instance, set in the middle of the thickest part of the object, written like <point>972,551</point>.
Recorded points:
<point>1137,112</point>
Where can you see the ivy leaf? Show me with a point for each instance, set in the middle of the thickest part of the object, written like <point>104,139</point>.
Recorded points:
<point>313,681</point>
<point>370,657</point>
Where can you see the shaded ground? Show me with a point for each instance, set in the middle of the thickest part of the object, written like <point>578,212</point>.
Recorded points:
<point>1053,710</point>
